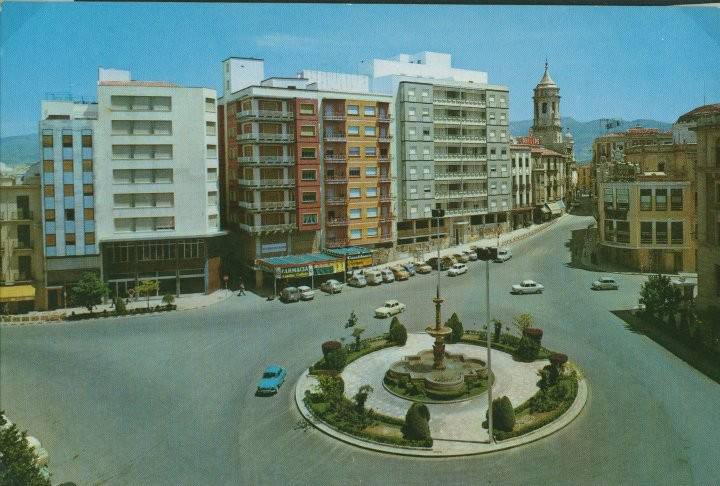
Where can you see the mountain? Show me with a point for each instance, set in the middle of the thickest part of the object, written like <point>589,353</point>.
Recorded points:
<point>585,132</point>
<point>19,150</point>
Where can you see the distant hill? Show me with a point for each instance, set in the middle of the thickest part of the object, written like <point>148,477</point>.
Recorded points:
<point>586,132</point>
<point>19,150</point>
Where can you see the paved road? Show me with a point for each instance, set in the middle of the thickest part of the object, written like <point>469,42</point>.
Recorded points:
<point>170,399</point>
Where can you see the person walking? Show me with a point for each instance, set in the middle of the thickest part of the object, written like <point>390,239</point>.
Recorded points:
<point>242,287</point>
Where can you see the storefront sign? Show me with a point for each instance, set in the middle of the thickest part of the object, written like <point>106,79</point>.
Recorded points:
<point>329,268</point>
<point>273,248</point>
<point>359,261</point>
<point>295,272</point>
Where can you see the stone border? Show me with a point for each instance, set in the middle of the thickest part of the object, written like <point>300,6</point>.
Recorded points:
<point>304,383</point>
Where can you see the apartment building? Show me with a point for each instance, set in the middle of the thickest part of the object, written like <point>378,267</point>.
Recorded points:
<point>705,123</point>
<point>584,179</point>
<point>158,216</point>
<point>68,142</point>
<point>22,278</point>
<point>305,165</point>
<point>522,185</point>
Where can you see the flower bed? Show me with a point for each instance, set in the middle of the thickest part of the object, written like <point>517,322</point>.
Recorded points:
<point>414,390</point>
<point>367,346</point>
<point>508,343</point>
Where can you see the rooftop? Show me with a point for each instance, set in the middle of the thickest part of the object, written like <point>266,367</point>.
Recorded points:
<point>349,251</point>
<point>145,84</point>
<point>293,260</point>
<point>713,109</point>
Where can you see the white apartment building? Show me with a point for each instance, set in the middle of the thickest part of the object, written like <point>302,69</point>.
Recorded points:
<point>522,190</point>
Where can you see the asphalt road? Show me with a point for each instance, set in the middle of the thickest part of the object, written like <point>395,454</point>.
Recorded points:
<point>169,399</point>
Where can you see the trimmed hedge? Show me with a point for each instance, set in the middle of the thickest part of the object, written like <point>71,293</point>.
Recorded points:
<point>128,312</point>
<point>503,415</point>
<point>398,333</point>
<point>508,343</point>
<point>416,423</point>
<point>367,346</point>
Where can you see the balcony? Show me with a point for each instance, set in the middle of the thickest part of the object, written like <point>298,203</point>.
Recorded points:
<point>620,214</point>
<point>334,116</point>
<point>384,160</point>
<point>266,137</point>
<point>386,237</point>
<point>459,194</point>
<point>455,176</point>
<point>385,198</point>
<point>384,178</point>
<point>386,218</point>
<point>336,222</point>
<point>384,138</point>
<point>266,114</point>
<point>338,179</point>
<point>268,160</point>
<point>464,211</point>
<point>443,137</point>
<point>266,183</point>
<point>336,201</point>
<point>21,215</point>
<point>335,137</point>
<point>460,157</point>
<point>268,205</point>
<point>333,242</point>
<point>459,102</point>
<point>335,159</point>
<point>458,120</point>
<point>384,118</point>
<point>268,228</point>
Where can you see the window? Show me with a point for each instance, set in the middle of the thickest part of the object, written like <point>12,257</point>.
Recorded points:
<point>212,198</point>
<point>369,131</point>
<point>369,111</point>
<point>353,110</point>
<point>411,92</point>
<point>307,131</point>
<point>87,189</point>
<point>48,166</point>
<point>87,141</point>
<point>67,141</point>
<point>426,172</point>
<point>676,199</point>
<point>623,231</point>
<point>211,152</point>
<point>353,130</point>
<point>646,232</point>
<point>89,238</point>
<point>308,175</point>
<point>676,232</point>
<point>50,191</point>
<point>309,197</point>
<point>355,213</point>
<point>307,153</point>
<point>609,230</point>
<point>544,107</point>
<point>167,175</point>
<point>660,199</point>
<point>310,218</point>
<point>355,192</point>
<point>411,112</point>
<point>47,140</point>
<point>411,132</point>
<point>165,223</point>
<point>88,214</point>
<point>69,215</point>
<point>68,190</point>
<point>67,165</point>
<point>354,151</point>
<point>69,239</point>
<point>661,233</point>
<point>371,171</point>
<point>87,165</point>
<point>371,192</point>
<point>370,151</point>
<point>372,232</point>
<point>645,199</point>
<point>49,215</point>
<point>355,234</point>
<point>623,199</point>
<point>354,171</point>
<point>307,109</point>
<point>50,240</point>
<point>371,212</point>
<point>608,199</point>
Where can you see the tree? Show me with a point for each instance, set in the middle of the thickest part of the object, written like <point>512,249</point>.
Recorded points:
<point>498,330</point>
<point>416,423</point>
<point>523,321</point>
<point>456,326</point>
<point>394,322</point>
<point>147,287</point>
<point>89,291</point>
<point>398,334</point>
<point>330,388</point>
<point>352,322</point>
<point>18,462</point>
<point>503,414</point>
<point>357,332</point>
<point>361,397</point>
<point>120,308</point>
<point>168,300</point>
<point>660,297</point>
<point>335,360</point>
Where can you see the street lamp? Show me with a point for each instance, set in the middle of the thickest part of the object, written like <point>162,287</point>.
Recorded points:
<point>486,255</point>
<point>437,214</point>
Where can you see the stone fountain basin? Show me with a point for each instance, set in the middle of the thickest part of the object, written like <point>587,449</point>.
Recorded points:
<point>458,371</point>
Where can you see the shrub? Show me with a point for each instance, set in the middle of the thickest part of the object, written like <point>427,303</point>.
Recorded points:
<point>357,332</point>
<point>523,321</point>
<point>548,376</point>
<point>503,415</point>
<point>558,359</point>
<point>352,322</point>
<point>168,300</point>
<point>498,330</point>
<point>331,389</point>
<point>416,423</point>
<point>395,322</point>
<point>361,397</point>
<point>456,326</point>
<point>529,345</point>
<point>89,291</point>
<point>335,360</point>
<point>19,461</point>
<point>398,334</point>
<point>120,308</point>
<point>328,346</point>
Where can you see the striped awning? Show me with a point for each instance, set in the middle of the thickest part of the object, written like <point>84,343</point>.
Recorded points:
<point>17,293</point>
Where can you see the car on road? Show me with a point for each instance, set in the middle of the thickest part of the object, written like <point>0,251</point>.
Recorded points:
<point>605,283</point>
<point>306,293</point>
<point>503,255</point>
<point>461,258</point>
<point>387,275</point>
<point>272,378</point>
<point>373,277</point>
<point>331,286</point>
<point>457,269</point>
<point>410,268</point>
<point>527,287</point>
<point>399,272</point>
<point>486,253</point>
<point>358,281</point>
<point>423,268</point>
<point>445,262</point>
<point>290,294</point>
<point>390,308</point>
<point>472,256</point>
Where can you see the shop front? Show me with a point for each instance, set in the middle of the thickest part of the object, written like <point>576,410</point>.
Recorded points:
<point>294,270</point>
<point>355,257</point>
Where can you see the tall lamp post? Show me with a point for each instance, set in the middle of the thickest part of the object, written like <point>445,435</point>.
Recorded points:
<point>486,255</point>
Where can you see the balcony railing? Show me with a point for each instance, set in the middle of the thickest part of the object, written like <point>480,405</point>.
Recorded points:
<point>268,160</point>
<point>335,137</point>
<point>459,102</point>
<point>16,215</point>
<point>459,157</point>
<point>337,222</point>
<point>464,211</point>
<point>336,242</point>
<point>336,201</point>
<point>384,178</point>
<point>451,176</point>
<point>620,214</point>
<point>336,180</point>
<point>385,198</point>
<point>384,138</point>
<point>268,228</point>
<point>266,137</point>
<point>335,159</point>
<point>459,194</point>
<point>384,160</point>
<point>266,114</point>
<point>386,218</point>
<point>386,237</point>
<point>443,137</point>
<point>440,119</point>
<point>267,182</point>
<point>271,205</point>
<point>334,116</point>
<point>384,118</point>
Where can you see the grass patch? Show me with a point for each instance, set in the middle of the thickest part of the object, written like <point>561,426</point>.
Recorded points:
<point>699,357</point>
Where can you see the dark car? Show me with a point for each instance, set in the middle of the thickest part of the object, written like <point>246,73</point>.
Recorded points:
<point>487,253</point>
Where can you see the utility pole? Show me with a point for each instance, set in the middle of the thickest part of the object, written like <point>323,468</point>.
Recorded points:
<point>491,438</point>
<point>437,214</point>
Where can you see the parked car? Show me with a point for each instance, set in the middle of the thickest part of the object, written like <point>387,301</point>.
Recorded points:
<point>357,281</point>
<point>472,256</point>
<point>290,294</point>
<point>487,253</point>
<point>272,378</point>
<point>373,277</point>
<point>410,268</point>
<point>605,283</point>
<point>387,275</point>
<point>390,308</point>
<point>461,258</point>
<point>503,255</point>
<point>527,287</point>
<point>399,272</point>
<point>423,268</point>
<point>457,269</point>
<point>306,293</point>
<point>331,286</point>
<point>445,262</point>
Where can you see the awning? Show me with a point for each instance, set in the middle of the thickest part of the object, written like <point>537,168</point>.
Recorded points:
<point>545,209</point>
<point>554,208</point>
<point>561,204</point>
<point>17,293</point>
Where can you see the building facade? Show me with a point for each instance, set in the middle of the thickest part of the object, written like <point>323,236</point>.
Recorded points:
<point>705,122</point>
<point>22,278</point>
<point>522,184</point>
<point>584,179</point>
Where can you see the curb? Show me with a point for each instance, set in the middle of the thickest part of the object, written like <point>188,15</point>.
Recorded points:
<point>473,448</point>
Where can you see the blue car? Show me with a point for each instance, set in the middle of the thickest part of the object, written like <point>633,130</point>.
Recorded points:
<point>410,268</point>
<point>272,378</point>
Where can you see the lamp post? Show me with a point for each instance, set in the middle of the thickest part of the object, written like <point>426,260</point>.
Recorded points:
<point>489,346</point>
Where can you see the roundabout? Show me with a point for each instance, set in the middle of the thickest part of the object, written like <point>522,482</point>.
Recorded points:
<point>455,427</point>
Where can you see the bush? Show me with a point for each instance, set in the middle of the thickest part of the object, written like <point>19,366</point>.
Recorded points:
<point>558,359</point>
<point>352,322</point>
<point>398,334</point>
<point>529,345</point>
<point>168,299</point>
<point>456,326</point>
<point>395,322</point>
<point>416,423</point>
<point>328,346</point>
<point>18,460</point>
<point>335,360</point>
<point>503,415</point>
<point>361,397</point>
<point>331,389</point>
<point>498,330</point>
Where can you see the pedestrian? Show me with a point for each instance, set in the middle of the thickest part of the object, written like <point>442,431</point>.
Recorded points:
<point>242,289</point>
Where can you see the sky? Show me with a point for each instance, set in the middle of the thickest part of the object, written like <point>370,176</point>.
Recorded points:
<point>609,62</point>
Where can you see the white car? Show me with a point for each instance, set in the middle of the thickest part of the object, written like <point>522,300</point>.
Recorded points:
<point>357,281</point>
<point>471,255</point>
<point>605,283</point>
<point>503,255</point>
<point>527,287</point>
<point>387,275</point>
<point>331,286</point>
<point>457,269</point>
<point>391,307</point>
<point>306,293</point>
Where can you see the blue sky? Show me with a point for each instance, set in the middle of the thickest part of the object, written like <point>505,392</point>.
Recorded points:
<point>609,62</point>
